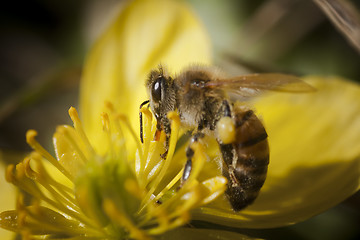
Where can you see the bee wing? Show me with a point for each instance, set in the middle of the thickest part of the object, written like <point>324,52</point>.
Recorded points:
<point>253,84</point>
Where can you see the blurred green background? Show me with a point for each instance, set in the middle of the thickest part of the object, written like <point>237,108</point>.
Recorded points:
<point>43,45</point>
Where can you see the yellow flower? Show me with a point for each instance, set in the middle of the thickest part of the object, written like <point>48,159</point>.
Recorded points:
<point>107,185</point>
<point>105,196</point>
<point>102,189</point>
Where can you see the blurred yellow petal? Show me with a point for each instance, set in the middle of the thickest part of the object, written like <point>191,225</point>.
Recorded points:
<point>145,34</point>
<point>7,199</point>
<point>202,234</point>
<point>314,156</point>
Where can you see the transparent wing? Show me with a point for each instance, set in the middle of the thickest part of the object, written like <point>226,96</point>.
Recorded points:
<point>254,84</point>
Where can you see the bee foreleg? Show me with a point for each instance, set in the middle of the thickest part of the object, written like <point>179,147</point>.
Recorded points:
<point>189,155</point>
<point>167,129</point>
<point>167,143</point>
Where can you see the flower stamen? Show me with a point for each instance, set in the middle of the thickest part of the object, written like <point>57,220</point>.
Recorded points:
<point>58,191</point>
<point>169,186</point>
<point>125,120</point>
<point>109,197</point>
<point>175,125</point>
<point>30,139</point>
<point>79,129</point>
<point>146,137</point>
<point>65,131</point>
<point>107,129</point>
<point>121,219</point>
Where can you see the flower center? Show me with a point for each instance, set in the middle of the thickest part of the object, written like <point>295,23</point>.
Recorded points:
<point>80,193</point>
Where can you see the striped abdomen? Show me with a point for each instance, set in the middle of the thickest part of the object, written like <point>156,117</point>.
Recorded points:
<point>246,159</point>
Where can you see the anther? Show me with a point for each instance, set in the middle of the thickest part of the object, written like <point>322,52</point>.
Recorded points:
<point>30,137</point>
<point>105,122</point>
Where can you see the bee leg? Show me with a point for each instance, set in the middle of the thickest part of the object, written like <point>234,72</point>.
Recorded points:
<point>189,155</point>
<point>234,192</point>
<point>167,143</point>
<point>167,130</point>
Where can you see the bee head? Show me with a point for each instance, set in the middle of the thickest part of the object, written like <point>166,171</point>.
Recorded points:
<point>161,92</point>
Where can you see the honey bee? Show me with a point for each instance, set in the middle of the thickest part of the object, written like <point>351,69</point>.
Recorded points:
<point>205,101</point>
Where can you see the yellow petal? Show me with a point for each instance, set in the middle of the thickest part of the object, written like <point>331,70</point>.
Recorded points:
<point>7,200</point>
<point>314,156</point>
<point>39,220</point>
<point>145,34</point>
<point>202,234</point>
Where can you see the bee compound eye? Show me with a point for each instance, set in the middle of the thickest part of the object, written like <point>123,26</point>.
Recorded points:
<point>156,89</point>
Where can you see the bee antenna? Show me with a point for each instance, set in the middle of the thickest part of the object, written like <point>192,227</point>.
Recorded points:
<point>141,122</point>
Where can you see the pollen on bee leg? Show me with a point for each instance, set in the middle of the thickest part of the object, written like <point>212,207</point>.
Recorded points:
<point>157,135</point>
<point>225,130</point>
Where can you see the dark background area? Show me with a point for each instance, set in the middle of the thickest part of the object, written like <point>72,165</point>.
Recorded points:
<point>41,52</point>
